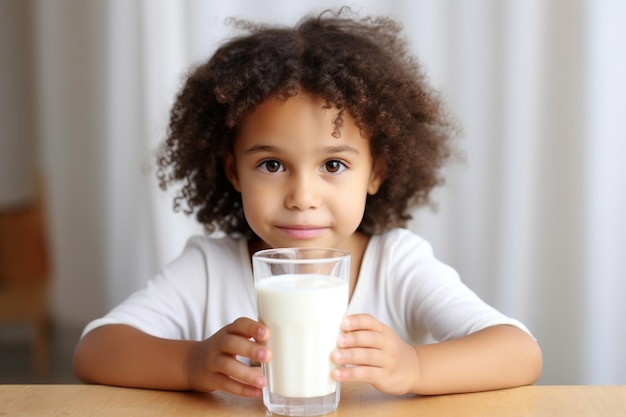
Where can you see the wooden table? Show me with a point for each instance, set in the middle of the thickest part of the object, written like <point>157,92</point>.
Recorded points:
<point>356,401</point>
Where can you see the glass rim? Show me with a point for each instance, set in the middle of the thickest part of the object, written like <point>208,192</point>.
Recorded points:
<point>266,255</point>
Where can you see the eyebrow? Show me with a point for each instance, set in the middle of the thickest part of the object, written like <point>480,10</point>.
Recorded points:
<point>261,148</point>
<point>341,149</point>
<point>327,150</point>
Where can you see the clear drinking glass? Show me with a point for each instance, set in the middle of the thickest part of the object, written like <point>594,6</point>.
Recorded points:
<point>302,296</point>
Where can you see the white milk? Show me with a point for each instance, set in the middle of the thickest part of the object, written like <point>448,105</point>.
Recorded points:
<point>303,313</point>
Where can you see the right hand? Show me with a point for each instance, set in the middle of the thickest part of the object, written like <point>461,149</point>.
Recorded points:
<point>212,364</point>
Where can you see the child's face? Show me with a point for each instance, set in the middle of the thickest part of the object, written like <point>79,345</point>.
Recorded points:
<point>301,186</point>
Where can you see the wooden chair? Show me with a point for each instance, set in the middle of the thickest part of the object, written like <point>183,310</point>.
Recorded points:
<point>24,275</point>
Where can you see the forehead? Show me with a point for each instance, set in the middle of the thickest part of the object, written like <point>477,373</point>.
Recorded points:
<point>301,118</point>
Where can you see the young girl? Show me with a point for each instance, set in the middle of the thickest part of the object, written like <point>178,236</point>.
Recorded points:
<point>323,135</point>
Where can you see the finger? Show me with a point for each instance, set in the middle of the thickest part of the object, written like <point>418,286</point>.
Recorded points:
<point>236,345</point>
<point>233,386</point>
<point>356,356</point>
<point>361,322</point>
<point>362,338</point>
<point>241,372</point>
<point>246,327</point>
<point>367,374</point>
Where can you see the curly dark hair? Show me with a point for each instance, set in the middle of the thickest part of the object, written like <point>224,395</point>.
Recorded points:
<point>356,64</point>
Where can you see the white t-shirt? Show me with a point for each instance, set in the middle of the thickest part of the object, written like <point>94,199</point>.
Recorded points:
<point>400,283</point>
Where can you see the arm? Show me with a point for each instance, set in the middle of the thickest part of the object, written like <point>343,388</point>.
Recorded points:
<point>493,358</point>
<point>124,356</point>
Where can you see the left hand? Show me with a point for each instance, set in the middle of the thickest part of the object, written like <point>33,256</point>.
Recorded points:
<point>375,355</point>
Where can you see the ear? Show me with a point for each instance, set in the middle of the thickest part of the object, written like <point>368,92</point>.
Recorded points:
<point>230,168</point>
<point>377,177</point>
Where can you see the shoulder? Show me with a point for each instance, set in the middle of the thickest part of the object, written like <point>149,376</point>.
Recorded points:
<point>398,276</point>
<point>208,252</point>
<point>213,242</point>
<point>400,242</point>
<point>218,246</point>
<point>401,253</point>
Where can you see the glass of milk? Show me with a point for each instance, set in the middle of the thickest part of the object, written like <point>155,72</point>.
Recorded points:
<point>302,296</point>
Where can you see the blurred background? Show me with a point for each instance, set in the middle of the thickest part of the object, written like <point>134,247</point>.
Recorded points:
<point>534,219</point>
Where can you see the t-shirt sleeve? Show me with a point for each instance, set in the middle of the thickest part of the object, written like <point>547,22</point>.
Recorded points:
<point>430,295</point>
<point>173,303</point>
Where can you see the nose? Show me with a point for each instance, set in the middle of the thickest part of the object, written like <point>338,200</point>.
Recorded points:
<point>303,192</point>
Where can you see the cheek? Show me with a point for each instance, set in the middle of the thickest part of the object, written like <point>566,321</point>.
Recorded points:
<point>257,205</point>
<point>349,208</point>
<point>250,202</point>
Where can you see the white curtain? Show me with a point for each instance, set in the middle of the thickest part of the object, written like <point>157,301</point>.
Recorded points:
<point>533,219</point>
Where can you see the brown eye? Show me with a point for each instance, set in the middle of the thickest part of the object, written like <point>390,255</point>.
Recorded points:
<point>334,166</point>
<point>271,166</point>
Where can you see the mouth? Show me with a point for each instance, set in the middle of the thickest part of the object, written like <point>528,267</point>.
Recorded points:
<point>301,232</point>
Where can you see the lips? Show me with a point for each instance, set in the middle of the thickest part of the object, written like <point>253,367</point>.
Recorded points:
<point>301,232</point>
